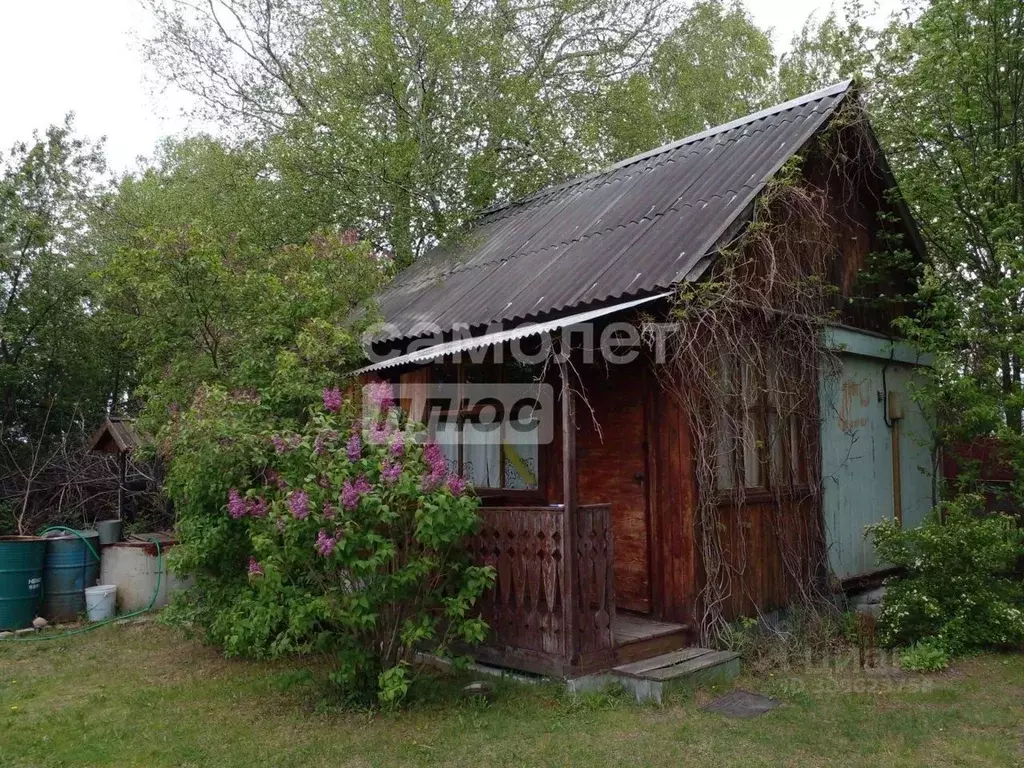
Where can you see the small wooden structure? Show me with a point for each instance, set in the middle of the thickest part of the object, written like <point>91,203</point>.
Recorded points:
<point>598,555</point>
<point>116,435</point>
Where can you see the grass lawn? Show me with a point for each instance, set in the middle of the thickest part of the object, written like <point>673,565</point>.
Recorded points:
<point>143,695</point>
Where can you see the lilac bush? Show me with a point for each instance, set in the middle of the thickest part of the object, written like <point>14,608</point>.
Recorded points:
<point>349,538</point>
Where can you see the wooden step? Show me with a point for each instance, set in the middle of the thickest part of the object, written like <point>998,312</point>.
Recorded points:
<point>690,665</point>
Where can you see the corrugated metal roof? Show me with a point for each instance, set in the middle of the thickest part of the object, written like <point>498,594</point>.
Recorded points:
<point>629,230</point>
<point>458,346</point>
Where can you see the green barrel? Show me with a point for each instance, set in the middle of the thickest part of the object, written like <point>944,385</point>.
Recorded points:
<point>21,579</point>
<point>70,568</point>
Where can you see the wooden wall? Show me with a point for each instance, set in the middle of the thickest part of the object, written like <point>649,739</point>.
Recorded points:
<point>673,498</point>
<point>772,551</point>
<point>759,538</point>
<point>863,222</point>
<point>644,429</point>
<point>612,469</point>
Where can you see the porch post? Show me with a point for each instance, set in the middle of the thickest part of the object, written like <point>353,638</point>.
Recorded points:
<point>569,501</point>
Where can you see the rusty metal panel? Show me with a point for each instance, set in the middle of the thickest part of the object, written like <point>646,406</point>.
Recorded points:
<point>628,231</point>
<point>857,457</point>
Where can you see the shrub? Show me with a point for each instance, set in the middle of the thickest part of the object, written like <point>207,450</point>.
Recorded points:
<point>804,634</point>
<point>955,587</point>
<point>924,656</point>
<point>336,536</point>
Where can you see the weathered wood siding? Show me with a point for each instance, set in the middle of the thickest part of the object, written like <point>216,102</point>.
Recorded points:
<point>612,469</point>
<point>673,498</point>
<point>765,542</point>
<point>611,455</point>
<point>539,618</point>
<point>645,434</point>
<point>772,550</point>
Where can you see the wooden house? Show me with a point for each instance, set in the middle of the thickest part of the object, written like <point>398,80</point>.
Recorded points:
<point>594,532</point>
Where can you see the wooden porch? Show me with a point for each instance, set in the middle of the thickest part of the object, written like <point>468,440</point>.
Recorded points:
<point>552,609</point>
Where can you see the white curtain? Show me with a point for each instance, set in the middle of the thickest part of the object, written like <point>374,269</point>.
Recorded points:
<point>481,454</point>
<point>447,436</point>
<point>522,458</point>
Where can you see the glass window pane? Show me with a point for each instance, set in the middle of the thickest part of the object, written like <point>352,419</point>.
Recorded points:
<point>481,451</point>
<point>776,450</point>
<point>751,458</point>
<point>725,457</point>
<point>447,436</point>
<point>522,455</point>
<point>517,372</point>
<point>795,449</point>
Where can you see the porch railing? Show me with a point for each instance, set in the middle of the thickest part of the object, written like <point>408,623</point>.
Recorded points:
<point>544,617</point>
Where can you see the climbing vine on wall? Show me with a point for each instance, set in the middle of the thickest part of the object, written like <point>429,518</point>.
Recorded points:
<point>744,358</point>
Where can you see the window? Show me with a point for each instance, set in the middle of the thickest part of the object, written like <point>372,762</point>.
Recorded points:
<point>758,447</point>
<point>491,449</point>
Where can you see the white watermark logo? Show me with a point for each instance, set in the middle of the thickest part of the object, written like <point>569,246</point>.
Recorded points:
<point>477,413</point>
<point>618,343</point>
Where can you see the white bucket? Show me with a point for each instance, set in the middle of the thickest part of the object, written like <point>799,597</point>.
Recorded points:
<point>100,602</point>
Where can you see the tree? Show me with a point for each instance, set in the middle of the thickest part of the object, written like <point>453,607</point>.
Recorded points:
<point>215,273</point>
<point>952,118</point>
<point>55,362</point>
<point>715,66</point>
<point>837,47</point>
<point>411,114</point>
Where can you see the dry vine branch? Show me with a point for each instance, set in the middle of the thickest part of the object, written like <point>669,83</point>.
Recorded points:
<point>744,360</point>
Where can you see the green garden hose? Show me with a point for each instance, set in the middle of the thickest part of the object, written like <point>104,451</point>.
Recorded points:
<point>98,624</point>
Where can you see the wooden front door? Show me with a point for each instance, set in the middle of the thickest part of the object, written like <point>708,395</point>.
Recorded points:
<point>611,462</point>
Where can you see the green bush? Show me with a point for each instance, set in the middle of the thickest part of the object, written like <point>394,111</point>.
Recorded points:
<point>337,536</point>
<point>924,656</point>
<point>955,586</point>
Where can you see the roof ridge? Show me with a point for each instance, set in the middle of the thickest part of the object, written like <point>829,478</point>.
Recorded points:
<point>823,93</point>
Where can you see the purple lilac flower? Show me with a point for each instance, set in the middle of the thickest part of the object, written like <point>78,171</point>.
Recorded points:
<point>285,444</point>
<point>257,507</point>
<point>379,433</point>
<point>236,504</point>
<point>255,569</point>
<point>298,503</point>
<point>350,492</point>
<point>329,511</point>
<point>434,458</point>
<point>325,437</point>
<point>354,450</point>
<point>324,543</point>
<point>349,496</point>
<point>379,395</point>
<point>391,472</point>
<point>456,484</point>
<point>432,481</point>
<point>274,478</point>
<point>332,399</point>
<point>323,481</point>
<point>398,445</point>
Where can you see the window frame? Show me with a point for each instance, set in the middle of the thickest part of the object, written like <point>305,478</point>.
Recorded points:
<point>755,416</point>
<point>489,494</point>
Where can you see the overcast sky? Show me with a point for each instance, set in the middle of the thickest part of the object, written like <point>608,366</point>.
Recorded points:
<point>83,56</point>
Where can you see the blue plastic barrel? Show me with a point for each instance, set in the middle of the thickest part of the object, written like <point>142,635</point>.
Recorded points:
<point>70,567</point>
